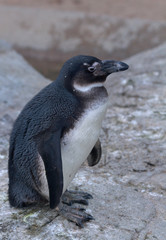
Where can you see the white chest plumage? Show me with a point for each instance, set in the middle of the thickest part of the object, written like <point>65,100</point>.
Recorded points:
<point>76,145</point>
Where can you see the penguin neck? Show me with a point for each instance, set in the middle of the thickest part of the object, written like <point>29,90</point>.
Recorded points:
<point>86,94</point>
<point>91,97</point>
<point>87,88</point>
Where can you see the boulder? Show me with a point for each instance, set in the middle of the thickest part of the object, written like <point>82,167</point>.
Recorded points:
<point>55,35</point>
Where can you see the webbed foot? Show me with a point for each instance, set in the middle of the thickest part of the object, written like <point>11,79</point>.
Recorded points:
<point>70,197</point>
<point>74,214</point>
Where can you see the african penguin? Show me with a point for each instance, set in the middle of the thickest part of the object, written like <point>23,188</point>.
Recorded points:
<point>57,131</point>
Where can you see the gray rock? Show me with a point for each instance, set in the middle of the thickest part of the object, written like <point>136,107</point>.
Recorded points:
<point>128,184</point>
<point>19,82</point>
<point>56,35</point>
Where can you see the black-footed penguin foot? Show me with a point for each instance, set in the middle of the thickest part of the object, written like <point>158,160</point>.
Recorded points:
<point>74,214</point>
<point>70,197</point>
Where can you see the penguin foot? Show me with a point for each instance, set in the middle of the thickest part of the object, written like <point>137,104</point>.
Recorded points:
<point>74,214</point>
<point>70,197</point>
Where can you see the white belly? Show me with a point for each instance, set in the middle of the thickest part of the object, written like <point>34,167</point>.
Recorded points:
<point>76,146</point>
<point>78,143</point>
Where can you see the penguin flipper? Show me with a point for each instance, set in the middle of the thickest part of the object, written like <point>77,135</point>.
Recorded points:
<point>95,155</point>
<point>50,151</point>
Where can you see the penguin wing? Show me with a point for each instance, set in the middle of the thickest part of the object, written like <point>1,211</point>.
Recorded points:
<point>50,151</point>
<point>95,155</point>
<point>46,116</point>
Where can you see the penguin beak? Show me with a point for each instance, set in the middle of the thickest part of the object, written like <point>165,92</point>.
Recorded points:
<point>110,66</point>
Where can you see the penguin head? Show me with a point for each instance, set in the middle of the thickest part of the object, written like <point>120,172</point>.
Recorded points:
<point>83,73</point>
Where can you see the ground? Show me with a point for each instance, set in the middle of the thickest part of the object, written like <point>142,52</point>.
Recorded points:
<point>128,185</point>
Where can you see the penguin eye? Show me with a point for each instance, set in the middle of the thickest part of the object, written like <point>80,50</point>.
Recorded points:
<point>91,69</point>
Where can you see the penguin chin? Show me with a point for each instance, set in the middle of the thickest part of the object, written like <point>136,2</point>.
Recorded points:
<point>88,87</point>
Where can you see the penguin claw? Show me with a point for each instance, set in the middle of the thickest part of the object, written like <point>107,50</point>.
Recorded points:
<point>71,197</point>
<point>82,209</point>
<point>81,201</point>
<point>79,223</point>
<point>81,193</point>
<point>84,218</point>
<point>76,215</point>
<point>88,196</point>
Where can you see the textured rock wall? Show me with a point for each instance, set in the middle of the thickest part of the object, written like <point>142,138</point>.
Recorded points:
<point>46,36</point>
<point>68,33</point>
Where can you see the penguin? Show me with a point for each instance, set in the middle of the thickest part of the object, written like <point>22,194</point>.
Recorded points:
<point>58,130</point>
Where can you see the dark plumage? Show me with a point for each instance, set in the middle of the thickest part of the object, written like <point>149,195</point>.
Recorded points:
<point>41,127</point>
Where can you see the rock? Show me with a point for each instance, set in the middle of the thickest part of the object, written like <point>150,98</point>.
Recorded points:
<point>19,82</point>
<point>97,34</point>
<point>128,184</point>
<point>159,180</point>
<point>66,34</point>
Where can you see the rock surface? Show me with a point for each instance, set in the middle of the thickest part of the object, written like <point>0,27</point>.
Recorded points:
<point>54,35</point>
<point>128,185</point>
<point>149,9</point>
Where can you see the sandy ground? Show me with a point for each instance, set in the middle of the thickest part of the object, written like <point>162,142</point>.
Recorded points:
<point>143,9</point>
